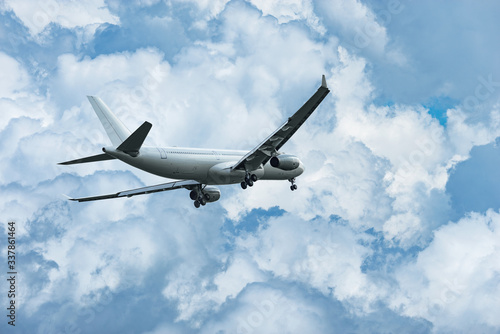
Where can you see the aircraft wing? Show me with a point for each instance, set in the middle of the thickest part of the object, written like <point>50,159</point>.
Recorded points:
<point>262,153</point>
<point>141,191</point>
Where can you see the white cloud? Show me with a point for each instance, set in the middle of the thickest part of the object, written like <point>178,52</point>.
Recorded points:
<point>37,15</point>
<point>369,167</point>
<point>290,10</point>
<point>14,78</point>
<point>430,73</point>
<point>262,309</point>
<point>341,178</point>
<point>137,72</point>
<point>75,240</point>
<point>170,96</point>
<point>375,165</point>
<point>402,134</point>
<point>453,282</point>
<point>112,246</point>
<point>195,297</point>
<point>465,133</point>
<point>356,22</point>
<point>402,227</point>
<point>213,7</point>
<point>325,255</point>
<point>206,10</point>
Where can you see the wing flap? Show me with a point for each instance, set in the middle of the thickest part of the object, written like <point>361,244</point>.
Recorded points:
<point>141,191</point>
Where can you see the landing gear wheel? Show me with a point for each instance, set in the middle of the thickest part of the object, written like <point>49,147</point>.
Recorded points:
<point>250,182</point>
<point>193,195</point>
<point>253,177</point>
<point>196,204</point>
<point>243,185</point>
<point>202,200</point>
<point>294,187</point>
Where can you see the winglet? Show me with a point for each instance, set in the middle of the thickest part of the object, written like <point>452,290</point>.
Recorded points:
<point>69,198</point>
<point>323,82</point>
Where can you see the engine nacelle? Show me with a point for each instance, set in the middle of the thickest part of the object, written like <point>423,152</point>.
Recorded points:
<point>285,162</point>
<point>211,193</point>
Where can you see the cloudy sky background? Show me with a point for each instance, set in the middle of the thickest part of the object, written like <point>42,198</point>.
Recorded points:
<point>395,226</point>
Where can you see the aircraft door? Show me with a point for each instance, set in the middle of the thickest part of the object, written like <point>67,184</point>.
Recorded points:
<point>163,153</point>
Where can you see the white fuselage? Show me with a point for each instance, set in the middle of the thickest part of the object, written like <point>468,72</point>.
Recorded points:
<point>206,166</point>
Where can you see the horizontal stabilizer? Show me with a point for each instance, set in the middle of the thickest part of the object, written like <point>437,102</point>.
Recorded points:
<point>99,157</point>
<point>133,143</point>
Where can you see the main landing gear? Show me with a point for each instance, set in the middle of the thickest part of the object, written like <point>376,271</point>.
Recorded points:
<point>249,180</point>
<point>198,197</point>
<point>293,186</point>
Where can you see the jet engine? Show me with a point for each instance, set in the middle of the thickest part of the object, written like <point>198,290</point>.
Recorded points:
<point>285,162</point>
<point>211,193</point>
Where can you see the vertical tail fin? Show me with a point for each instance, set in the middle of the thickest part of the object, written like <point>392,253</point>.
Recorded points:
<point>115,129</point>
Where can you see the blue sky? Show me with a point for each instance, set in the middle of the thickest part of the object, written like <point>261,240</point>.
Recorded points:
<point>395,226</point>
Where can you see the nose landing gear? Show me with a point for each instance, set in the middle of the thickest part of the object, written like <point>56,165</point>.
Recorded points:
<point>293,186</point>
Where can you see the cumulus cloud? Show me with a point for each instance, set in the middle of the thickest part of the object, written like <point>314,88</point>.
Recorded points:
<point>357,22</point>
<point>195,297</point>
<point>291,10</point>
<point>327,257</point>
<point>465,132</point>
<point>266,310</point>
<point>37,15</point>
<point>373,232</point>
<point>453,282</point>
<point>437,73</point>
<point>14,78</point>
<point>394,161</point>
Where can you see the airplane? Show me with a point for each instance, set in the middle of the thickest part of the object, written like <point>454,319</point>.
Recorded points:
<point>196,169</point>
